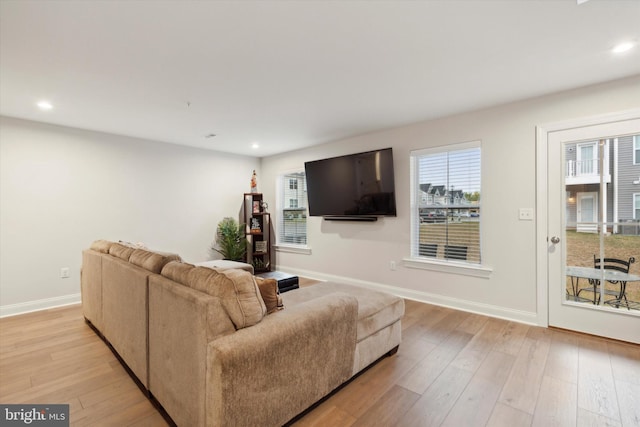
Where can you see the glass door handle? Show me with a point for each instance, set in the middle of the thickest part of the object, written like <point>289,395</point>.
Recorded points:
<point>555,240</point>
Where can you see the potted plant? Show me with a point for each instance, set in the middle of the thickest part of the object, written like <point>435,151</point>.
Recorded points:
<point>230,240</point>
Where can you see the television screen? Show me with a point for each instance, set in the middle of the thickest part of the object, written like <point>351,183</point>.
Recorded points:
<point>355,185</point>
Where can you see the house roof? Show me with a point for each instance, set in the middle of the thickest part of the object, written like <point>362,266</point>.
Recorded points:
<point>287,75</point>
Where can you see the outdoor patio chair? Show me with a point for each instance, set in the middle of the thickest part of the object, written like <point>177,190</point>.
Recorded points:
<point>609,264</point>
<point>455,252</point>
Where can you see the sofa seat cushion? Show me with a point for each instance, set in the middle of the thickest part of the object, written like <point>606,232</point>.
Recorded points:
<point>376,310</point>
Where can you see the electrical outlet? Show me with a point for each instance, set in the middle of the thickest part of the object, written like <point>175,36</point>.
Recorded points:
<point>392,265</point>
<point>64,273</point>
<point>525,214</point>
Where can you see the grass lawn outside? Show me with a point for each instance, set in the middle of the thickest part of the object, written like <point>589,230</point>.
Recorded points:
<point>463,233</point>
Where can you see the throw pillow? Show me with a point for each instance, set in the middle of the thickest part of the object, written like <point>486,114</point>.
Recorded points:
<point>270,295</point>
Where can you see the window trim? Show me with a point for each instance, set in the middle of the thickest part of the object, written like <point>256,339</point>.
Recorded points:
<point>634,207</point>
<point>436,264</point>
<point>448,266</point>
<point>636,149</point>
<point>281,183</point>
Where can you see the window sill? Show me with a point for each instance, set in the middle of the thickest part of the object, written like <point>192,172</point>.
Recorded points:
<point>293,249</point>
<point>452,267</point>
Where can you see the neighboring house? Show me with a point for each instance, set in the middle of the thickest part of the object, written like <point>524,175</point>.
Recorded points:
<point>620,173</point>
<point>434,199</point>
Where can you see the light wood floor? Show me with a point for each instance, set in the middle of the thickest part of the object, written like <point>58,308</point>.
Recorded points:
<point>452,369</point>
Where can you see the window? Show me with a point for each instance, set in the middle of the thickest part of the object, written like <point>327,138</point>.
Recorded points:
<point>292,209</point>
<point>587,159</point>
<point>446,217</point>
<point>636,206</point>
<point>636,150</point>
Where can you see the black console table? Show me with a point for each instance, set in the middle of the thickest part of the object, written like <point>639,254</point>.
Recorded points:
<point>286,282</point>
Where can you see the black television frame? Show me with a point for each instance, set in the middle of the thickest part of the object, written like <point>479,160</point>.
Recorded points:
<point>385,174</point>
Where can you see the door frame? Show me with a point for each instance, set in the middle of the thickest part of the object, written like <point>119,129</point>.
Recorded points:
<point>542,223</point>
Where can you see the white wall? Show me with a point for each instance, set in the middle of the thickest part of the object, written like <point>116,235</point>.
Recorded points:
<point>361,252</point>
<point>62,188</point>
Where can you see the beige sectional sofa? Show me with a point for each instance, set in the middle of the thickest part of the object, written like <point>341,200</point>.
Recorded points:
<point>201,343</point>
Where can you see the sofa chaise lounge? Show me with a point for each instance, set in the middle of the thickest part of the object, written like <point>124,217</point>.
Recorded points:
<point>200,342</point>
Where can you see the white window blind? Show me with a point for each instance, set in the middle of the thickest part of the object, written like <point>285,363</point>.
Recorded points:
<point>446,203</point>
<point>292,209</point>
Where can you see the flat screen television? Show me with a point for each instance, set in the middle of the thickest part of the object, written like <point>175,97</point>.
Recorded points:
<point>355,186</point>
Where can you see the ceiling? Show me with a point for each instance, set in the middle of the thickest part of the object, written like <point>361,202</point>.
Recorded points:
<point>290,74</point>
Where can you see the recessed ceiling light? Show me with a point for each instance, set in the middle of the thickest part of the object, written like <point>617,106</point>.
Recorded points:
<point>44,105</point>
<point>255,145</point>
<point>623,47</point>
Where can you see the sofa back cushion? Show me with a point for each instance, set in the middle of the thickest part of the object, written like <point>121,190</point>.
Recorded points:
<point>120,251</point>
<point>238,291</point>
<point>101,246</point>
<point>152,261</point>
<point>178,271</point>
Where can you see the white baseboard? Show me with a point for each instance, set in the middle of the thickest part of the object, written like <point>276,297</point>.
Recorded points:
<point>41,304</point>
<point>529,318</point>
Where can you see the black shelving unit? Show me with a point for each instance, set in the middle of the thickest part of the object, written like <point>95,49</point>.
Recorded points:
<point>258,232</point>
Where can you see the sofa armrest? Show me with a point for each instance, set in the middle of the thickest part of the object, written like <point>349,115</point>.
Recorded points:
<point>182,321</point>
<point>269,373</point>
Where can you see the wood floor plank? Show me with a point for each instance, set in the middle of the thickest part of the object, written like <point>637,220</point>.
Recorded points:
<point>523,385</point>
<point>473,323</point>
<point>562,360</point>
<point>629,402</point>
<point>557,404</point>
<point>104,409</point>
<point>425,373</point>
<point>439,331</point>
<point>365,390</point>
<point>475,405</point>
<point>474,353</point>
<point>506,416</point>
<point>124,416</point>
<point>434,404</point>
<point>416,349</point>
<point>511,338</point>
<point>625,361</point>
<point>589,419</point>
<point>596,389</point>
<point>391,406</point>
<point>326,415</point>
<point>420,328</point>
